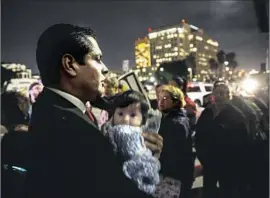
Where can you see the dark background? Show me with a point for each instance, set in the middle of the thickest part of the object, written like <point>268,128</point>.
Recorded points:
<point>117,24</point>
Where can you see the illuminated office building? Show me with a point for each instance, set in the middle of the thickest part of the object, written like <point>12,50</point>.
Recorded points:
<point>179,41</point>
<point>143,58</point>
<point>142,53</point>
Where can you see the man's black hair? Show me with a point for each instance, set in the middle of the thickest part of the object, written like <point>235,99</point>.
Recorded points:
<point>130,97</point>
<point>56,41</point>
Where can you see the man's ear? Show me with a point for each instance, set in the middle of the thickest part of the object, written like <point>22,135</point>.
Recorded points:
<point>69,65</point>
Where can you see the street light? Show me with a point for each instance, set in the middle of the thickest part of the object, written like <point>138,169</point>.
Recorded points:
<point>227,68</point>
<point>161,69</point>
<point>226,63</point>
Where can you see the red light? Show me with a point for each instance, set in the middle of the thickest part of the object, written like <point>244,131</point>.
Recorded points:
<point>149,29</point>
<point>190,85</point>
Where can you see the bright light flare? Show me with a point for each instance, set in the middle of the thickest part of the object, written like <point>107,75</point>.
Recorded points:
<point>249,85</point>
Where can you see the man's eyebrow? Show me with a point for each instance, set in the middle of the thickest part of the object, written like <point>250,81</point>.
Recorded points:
<point>91,53</point>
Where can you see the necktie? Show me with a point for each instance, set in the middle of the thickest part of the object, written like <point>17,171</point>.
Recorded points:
<point>89,114</point>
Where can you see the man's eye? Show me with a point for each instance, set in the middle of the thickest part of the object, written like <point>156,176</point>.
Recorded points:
<point>120,113</point>
<point>98,58</point>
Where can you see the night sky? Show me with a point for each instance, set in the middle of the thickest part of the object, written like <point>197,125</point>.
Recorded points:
<point>119,24</point>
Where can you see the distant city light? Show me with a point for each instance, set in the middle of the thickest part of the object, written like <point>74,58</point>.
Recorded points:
<point>161,69</point>
<point>194,27</point>
<point>253,71</point>
<point>226,63</point>
<point>227,68</point>
<point>152,79</point>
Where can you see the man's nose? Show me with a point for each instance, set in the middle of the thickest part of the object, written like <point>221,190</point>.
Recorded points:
<point>104,69</point>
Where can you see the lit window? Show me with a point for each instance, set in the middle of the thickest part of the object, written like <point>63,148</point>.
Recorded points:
<point>175,49</point>
<point>180,30</point>
<point>206,47</point>
<point>194,49</point>
<point>190,36</point>
<point>152,35</point>
<point>199,38</point>
<point>181,35</point>
<point>191,45</point>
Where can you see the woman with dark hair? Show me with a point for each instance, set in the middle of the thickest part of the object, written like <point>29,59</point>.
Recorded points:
<point>14,143</point>
<point>14,110</point>
<point>177,164</point>
<point>222,146</point>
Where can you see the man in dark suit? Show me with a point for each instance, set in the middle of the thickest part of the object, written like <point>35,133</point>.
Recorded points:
<point>69,157</point>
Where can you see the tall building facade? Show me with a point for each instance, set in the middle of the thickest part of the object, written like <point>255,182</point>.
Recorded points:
<point>142,53</point>
<point>177,43</point>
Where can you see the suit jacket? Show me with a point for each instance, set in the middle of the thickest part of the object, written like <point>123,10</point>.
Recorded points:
<point>69,157</point>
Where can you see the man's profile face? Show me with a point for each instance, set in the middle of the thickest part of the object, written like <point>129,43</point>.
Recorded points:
<point>92,74</point>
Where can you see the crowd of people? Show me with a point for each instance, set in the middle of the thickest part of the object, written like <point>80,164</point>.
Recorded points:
<point>54,145</point>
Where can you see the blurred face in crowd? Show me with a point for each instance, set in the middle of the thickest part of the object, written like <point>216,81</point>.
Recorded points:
<point>130,115</point>
<point>158,89</point>
<point>165,101</point>
<point>34,92</point>
<point>88,78</point>
<point>111,87</point>
<point>221,94</point>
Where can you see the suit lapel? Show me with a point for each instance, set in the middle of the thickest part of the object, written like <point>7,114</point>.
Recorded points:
<point>50,97</point>
<point>84,117</point>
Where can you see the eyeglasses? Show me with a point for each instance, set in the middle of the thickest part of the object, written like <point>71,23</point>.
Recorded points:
<point>164,98</point>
